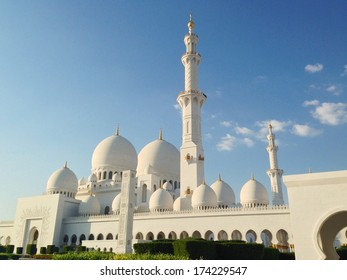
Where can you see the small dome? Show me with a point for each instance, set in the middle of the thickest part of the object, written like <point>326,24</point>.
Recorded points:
<point>204,197</point>
<point>81,181</point>
<point>89,205</point>
<point>161,200</point>
<point>92,178</point>
<point>159,157</point>
<point>62,180</point>
<point>116,153</point>
<point>167,186</point>
<point>225,194</point>
<point>182,203</point>
<point>253,193</point>
<point>116,204</point>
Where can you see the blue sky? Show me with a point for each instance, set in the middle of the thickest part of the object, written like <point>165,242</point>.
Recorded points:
<point>71,71</point>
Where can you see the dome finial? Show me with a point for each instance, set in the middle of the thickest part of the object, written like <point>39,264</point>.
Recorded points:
<point>65,165</point>
<point>219,177</point>
<point>252,177</point>
<point>270,127</point>
<point>117,130</point>
<point>191,23</point>
<point>161,134</point>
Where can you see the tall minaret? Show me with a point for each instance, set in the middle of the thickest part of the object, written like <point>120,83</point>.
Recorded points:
<point>274,172</point>
<point>191,101</point>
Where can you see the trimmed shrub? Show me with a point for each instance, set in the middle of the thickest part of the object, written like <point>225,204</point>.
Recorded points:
<point>19,250</point>
<point>67,249</point>
<point>9,256</point>
<point>154,248</point>
<point>31,249</point>
<point>9,249</point>
<point>271,254</point>
<point>43,250</point>
<point>287,256</point>
<point>195,249</point>
<point>229,250</point>
<point>95,255</point>
<point>2,249</point>
<point>50,249</point>
<point>342,252</point>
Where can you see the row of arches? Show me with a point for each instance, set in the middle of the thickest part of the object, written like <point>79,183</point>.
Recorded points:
<point>67,194</point>
<point>74,240</point>
<point>144,188</point>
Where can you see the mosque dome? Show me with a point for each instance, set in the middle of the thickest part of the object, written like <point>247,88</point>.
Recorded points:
<point>167,186</point>
<point>115,152</point>
<point>161,200</point>
<point>182,203</point>
<point>253,193</point>
<point>62,180</point>
<point>81,181</point>
<point>92,178</point>
<point>159,157</point>
<point>89,205</point>
<point>116,203</point>
<point>225,194</point>
<point>204,197</point>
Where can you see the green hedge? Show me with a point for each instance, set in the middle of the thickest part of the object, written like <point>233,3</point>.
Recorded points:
<point>67,249</point>
<point>195,249</point>
<point>43,250</point>
<point>342,252</point>
<point>9,256</point>
<point>31,249</point>
<point>154,248</point>
<point>287,256</point>
<point>2,249</point>
<point>9,249</point>
<point>229,250</point>
<point>19,250</point>
<point>81,248</point>
<point>271,254</point>
<point>51,249</point>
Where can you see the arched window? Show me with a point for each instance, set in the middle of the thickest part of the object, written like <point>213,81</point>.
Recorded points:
<point>222,235</point>
<point>172,235</point>
<point>110,174</point>
<point>109,236</point>
<point>184,235</point>
<point>99,176</point>
<point>144,193</point>
<point>104,175</point>
<point>82,237</point>
<point>282,238</point>
<point>100,237</point>
<point>107,210</point>
<point>209,235</point>
<point>236,235</point>
<point>160,235</point>
<point>65,239</point>
<point>91,237</point>
<point>150,236</point>
<point>266,238</point>
<point>251,236</point>
<point>175,185</point>
<point>139,236</point>
<point>73,240</point>
<point>196,234</point>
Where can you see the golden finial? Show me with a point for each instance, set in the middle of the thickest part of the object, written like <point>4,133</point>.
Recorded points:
<point>219,177</point>
<point>191,23</point>
<point>117,130</point>
<point>252,177</point>
<point>161,134</point>
<point>65,165</point>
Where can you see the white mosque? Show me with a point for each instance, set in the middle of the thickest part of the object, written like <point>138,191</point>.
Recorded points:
<point>161,193</point>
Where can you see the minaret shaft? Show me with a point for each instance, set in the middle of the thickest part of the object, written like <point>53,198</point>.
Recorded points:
<point>274,173</point>
<point>191,101</point>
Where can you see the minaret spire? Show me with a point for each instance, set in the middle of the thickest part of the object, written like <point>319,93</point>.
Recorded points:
<point>191,101</point>
<point>275,173</point>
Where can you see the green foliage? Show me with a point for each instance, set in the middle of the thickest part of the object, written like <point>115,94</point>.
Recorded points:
<point>19,250</point>
<point>271,254</point>
<point>229,250</point>
<point>157,247</point>
<point>94,255</point>
<point>4,256</point>
<point>148,257</point>
<point>43,250</point>
<point>67,249</point>
<point>31,249</point>
<point>43,257</point>
<point>342,252</point>
<point>287,256</point>
<point>2,249</point>
<point>81,248</point>
<point>51,249</point>
<point>195,249</point>
<point>9,249</point>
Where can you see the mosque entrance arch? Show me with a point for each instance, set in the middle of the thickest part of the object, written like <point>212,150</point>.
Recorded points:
<point>33,235</point>
<point>327,232</point>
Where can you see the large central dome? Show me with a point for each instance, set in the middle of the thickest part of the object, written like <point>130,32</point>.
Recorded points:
<point>114,152</point>
<point>159,157</point>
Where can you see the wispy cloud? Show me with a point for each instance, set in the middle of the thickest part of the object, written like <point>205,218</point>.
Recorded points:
<point>314,68</point>
<point>305,130</point>
<point>310,103</point>
<point>331,113</point>
<point>334,89</point>
<point>226,143</point>
<point>226,123</point>
<point>177,107</point>
<point>243,130</point>
<point>277,126</point>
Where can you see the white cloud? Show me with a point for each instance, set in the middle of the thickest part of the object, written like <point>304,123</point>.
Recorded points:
<point>208,136</point>
<point>335,90</point>
<point>226,123</point>
<point>314,68</point>
<point>311,103</point>
<point>331,113</point>
<point>305,130</point>
<point>344,73</point>
<point>248,142</point>
<point>243,130</point>
<point>226,143</point>
<point>177,107</point>
<point>277,126</point>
